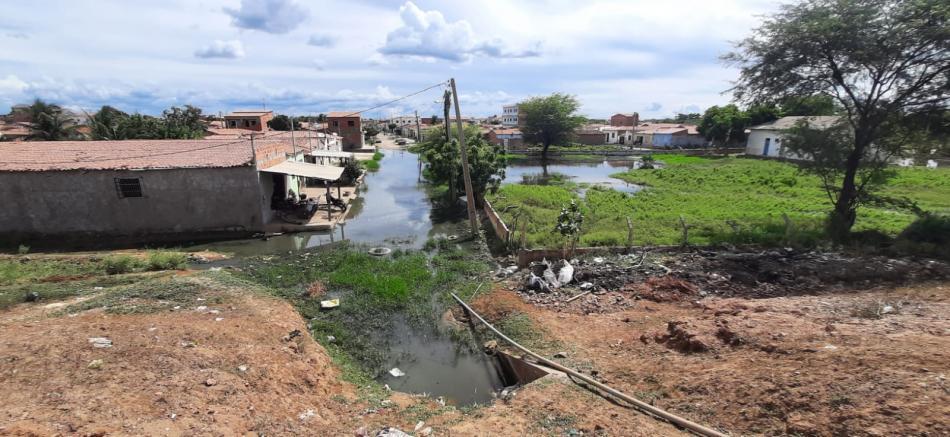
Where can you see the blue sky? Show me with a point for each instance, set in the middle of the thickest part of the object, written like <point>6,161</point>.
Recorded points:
<point>306,57</point>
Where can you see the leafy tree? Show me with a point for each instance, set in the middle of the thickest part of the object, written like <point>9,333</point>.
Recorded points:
<point>692,117</point>
<point>321,118</point>
<point>724,124</point>
<point>281,122</point>
<point>550,120</point>
<point>183,123</point>
<point>391,126</point>
<point>49,123</point>
<point>435,119</point>
<point>879,59</point>
<point>569,223</point>
<point>108,123</point>
<point>370,131</point>
<point>817,104</point>
<point>141,127</point>
<point>444,164</point>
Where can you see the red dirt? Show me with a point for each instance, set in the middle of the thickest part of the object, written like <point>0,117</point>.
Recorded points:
<point>810,365</point>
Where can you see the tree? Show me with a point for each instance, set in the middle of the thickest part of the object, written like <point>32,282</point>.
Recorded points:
<point>692,117</point>
<point>281,122</point>
<point>569,223</point>
<point>444,164</point>
<point>723,124</point>
<point>183,123</point>
<point>321,118</point>
<point>107,124</point>
<point>550,120</point>
<point>879,60</point>
<point>817,104</point>
<point>141,127</point>
<point>49,123</point>
<point>370,131</point>
<point>435,119</point>
<point>391,126</point>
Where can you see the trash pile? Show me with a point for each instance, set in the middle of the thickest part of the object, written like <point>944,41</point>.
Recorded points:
<point>608,283</point>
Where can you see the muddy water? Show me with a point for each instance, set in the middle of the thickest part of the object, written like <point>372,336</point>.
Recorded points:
<point>393,210</point>
<point>592,173</point>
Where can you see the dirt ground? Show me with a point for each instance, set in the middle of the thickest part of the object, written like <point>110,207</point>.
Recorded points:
<point>842,362</point>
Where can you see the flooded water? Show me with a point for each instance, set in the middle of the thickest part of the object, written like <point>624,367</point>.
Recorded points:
<point>435,364</point>
<point>393,210</point>
<point>591,173</point>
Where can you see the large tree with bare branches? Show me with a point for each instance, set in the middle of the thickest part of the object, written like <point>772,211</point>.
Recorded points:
<point>881,60</point>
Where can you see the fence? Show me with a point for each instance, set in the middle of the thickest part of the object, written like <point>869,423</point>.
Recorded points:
<point>501,230</point>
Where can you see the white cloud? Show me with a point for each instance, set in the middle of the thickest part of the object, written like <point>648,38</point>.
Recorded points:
<point>427,34</point>
<point>271,16</point>
<point>232,49</point>
<point>321,40</point>
<point>654,107</point>
<point>12,85</point>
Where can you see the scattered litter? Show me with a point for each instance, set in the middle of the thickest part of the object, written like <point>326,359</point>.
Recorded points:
<point>292,335</point>
<point>566,274</point>
<point>452,237</point>
<point>97,288</point>
<point>185,343</point>
<point>332,303</point>
<point>391,432</point>
<point>331,338</point>
<point>560,355</point>
<point>931,163</point>
<point>242,368</point>
<point>307,415</point>
<point>396,372</point>
<point>419,426</point>
<point>214,312</point>
<point>32,296</point>
<point>831,347</point>
<point>152,329</point>
<point>218,319</point>
<point>386,386</point>
<point>100,342</point>
<point>200,299</point>
<point>201,308</point>
<point>95,364</point>
<point>176,307</point>
<point>211,382</point>
<point>586,286</point>
<point>380,251</point>
<point>215,269</point>
<point>440,400</point>
<point>55,305</point>
<point>887,309</point>
<point>599,260</point>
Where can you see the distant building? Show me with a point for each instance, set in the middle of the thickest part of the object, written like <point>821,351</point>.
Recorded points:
<point>766,139</point>
<point>137,191</point>
<point>506,138</point>
<point>347,125</point>
<point>250,120</point>
<point>591,135</point>
<point>667,135</point>
<point>14,131</point>
<point>511,115</point>
<point>631,119</point>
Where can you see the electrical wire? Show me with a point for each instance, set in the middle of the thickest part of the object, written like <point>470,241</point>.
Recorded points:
<point>264,136</point>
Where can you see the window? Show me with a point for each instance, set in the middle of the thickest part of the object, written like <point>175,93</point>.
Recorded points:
<point>128,187</point>
<point>351,123</point>
<point>336,123</point>
<point>253,122</point>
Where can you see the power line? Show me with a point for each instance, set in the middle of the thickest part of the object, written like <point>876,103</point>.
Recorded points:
<point>401,98</point>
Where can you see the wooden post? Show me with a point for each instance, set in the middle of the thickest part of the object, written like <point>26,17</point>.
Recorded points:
<point>466,175</point>
<point>524,234</point>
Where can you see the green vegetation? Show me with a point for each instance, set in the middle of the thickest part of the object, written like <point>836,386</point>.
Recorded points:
<point>281,122</point>
<point>375,293</point>
<point>550,120</point>
<point>371,165</point>
<point>730,200</point>
<point>378,156</point>
<point>179,123</point>
<point>444,163</point>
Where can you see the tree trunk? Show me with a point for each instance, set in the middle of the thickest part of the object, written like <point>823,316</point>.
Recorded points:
<point>845,212</point>
<point>544,151</point>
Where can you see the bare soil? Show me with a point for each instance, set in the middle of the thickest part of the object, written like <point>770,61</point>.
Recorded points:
<point>863,360</point>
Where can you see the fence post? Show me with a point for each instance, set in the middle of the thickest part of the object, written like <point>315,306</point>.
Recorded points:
<point>524,235</point>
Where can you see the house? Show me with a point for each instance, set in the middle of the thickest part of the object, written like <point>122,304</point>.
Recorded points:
<point>668,135</point>
<point>511,115</point>
<point>138,191</point>
<point>591,135</point>
<point>631,119</point>
<point>250,120</point>
<point>506,138</point>
<point>348,125</point>
<point>766,139</point>
<point>14,131</point>
<point>618,134</point>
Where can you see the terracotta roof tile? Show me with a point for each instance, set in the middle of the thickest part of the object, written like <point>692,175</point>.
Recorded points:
<point>127,154</point>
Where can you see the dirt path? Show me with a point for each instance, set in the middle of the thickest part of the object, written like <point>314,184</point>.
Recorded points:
<point>869,363</point>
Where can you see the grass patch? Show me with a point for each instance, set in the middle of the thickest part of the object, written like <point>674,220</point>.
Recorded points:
<point>727,200</point>
<point>51,291</point>
<point>378,156</point>
<point>148,295</point>
<point>375,293</point>
<point>166,260</point>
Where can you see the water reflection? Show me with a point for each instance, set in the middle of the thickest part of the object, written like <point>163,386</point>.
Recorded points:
<point>596,173</point>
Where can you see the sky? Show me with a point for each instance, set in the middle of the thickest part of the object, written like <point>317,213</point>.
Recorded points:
<point>303,57</point>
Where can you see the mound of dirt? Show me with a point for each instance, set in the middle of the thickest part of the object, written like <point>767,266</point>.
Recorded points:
<point>210,369</point>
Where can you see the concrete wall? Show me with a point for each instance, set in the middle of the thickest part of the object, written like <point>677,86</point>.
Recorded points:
<point>77,205</point>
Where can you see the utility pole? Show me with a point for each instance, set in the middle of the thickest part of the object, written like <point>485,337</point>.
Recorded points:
<point>418,129</point>
<point>292,141</point>
<point>466,175</point>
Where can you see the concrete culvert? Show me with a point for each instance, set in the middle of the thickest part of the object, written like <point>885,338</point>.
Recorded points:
<point>380,251</point>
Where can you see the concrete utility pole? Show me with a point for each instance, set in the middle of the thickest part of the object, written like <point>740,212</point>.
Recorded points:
<point>418,129</point>
<point>466,175</point>
<point>292,141</point>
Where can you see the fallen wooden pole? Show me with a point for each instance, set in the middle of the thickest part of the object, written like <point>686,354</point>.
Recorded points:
<point>579,295</point>
<point>642,406</point>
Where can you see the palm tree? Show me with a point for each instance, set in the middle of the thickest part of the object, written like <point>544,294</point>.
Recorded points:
<point>49,123</point>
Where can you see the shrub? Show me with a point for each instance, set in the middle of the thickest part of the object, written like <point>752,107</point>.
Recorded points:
<point>371,165</point>
<point>23,249</point>
<point>378,156</point>
<point>119,264</point>
<point>167,261</point>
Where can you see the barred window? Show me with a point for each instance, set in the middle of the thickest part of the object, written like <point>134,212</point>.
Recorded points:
<point>128,187</point>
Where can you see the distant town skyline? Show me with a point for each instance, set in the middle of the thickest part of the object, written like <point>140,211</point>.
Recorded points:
<point>305,57</point>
